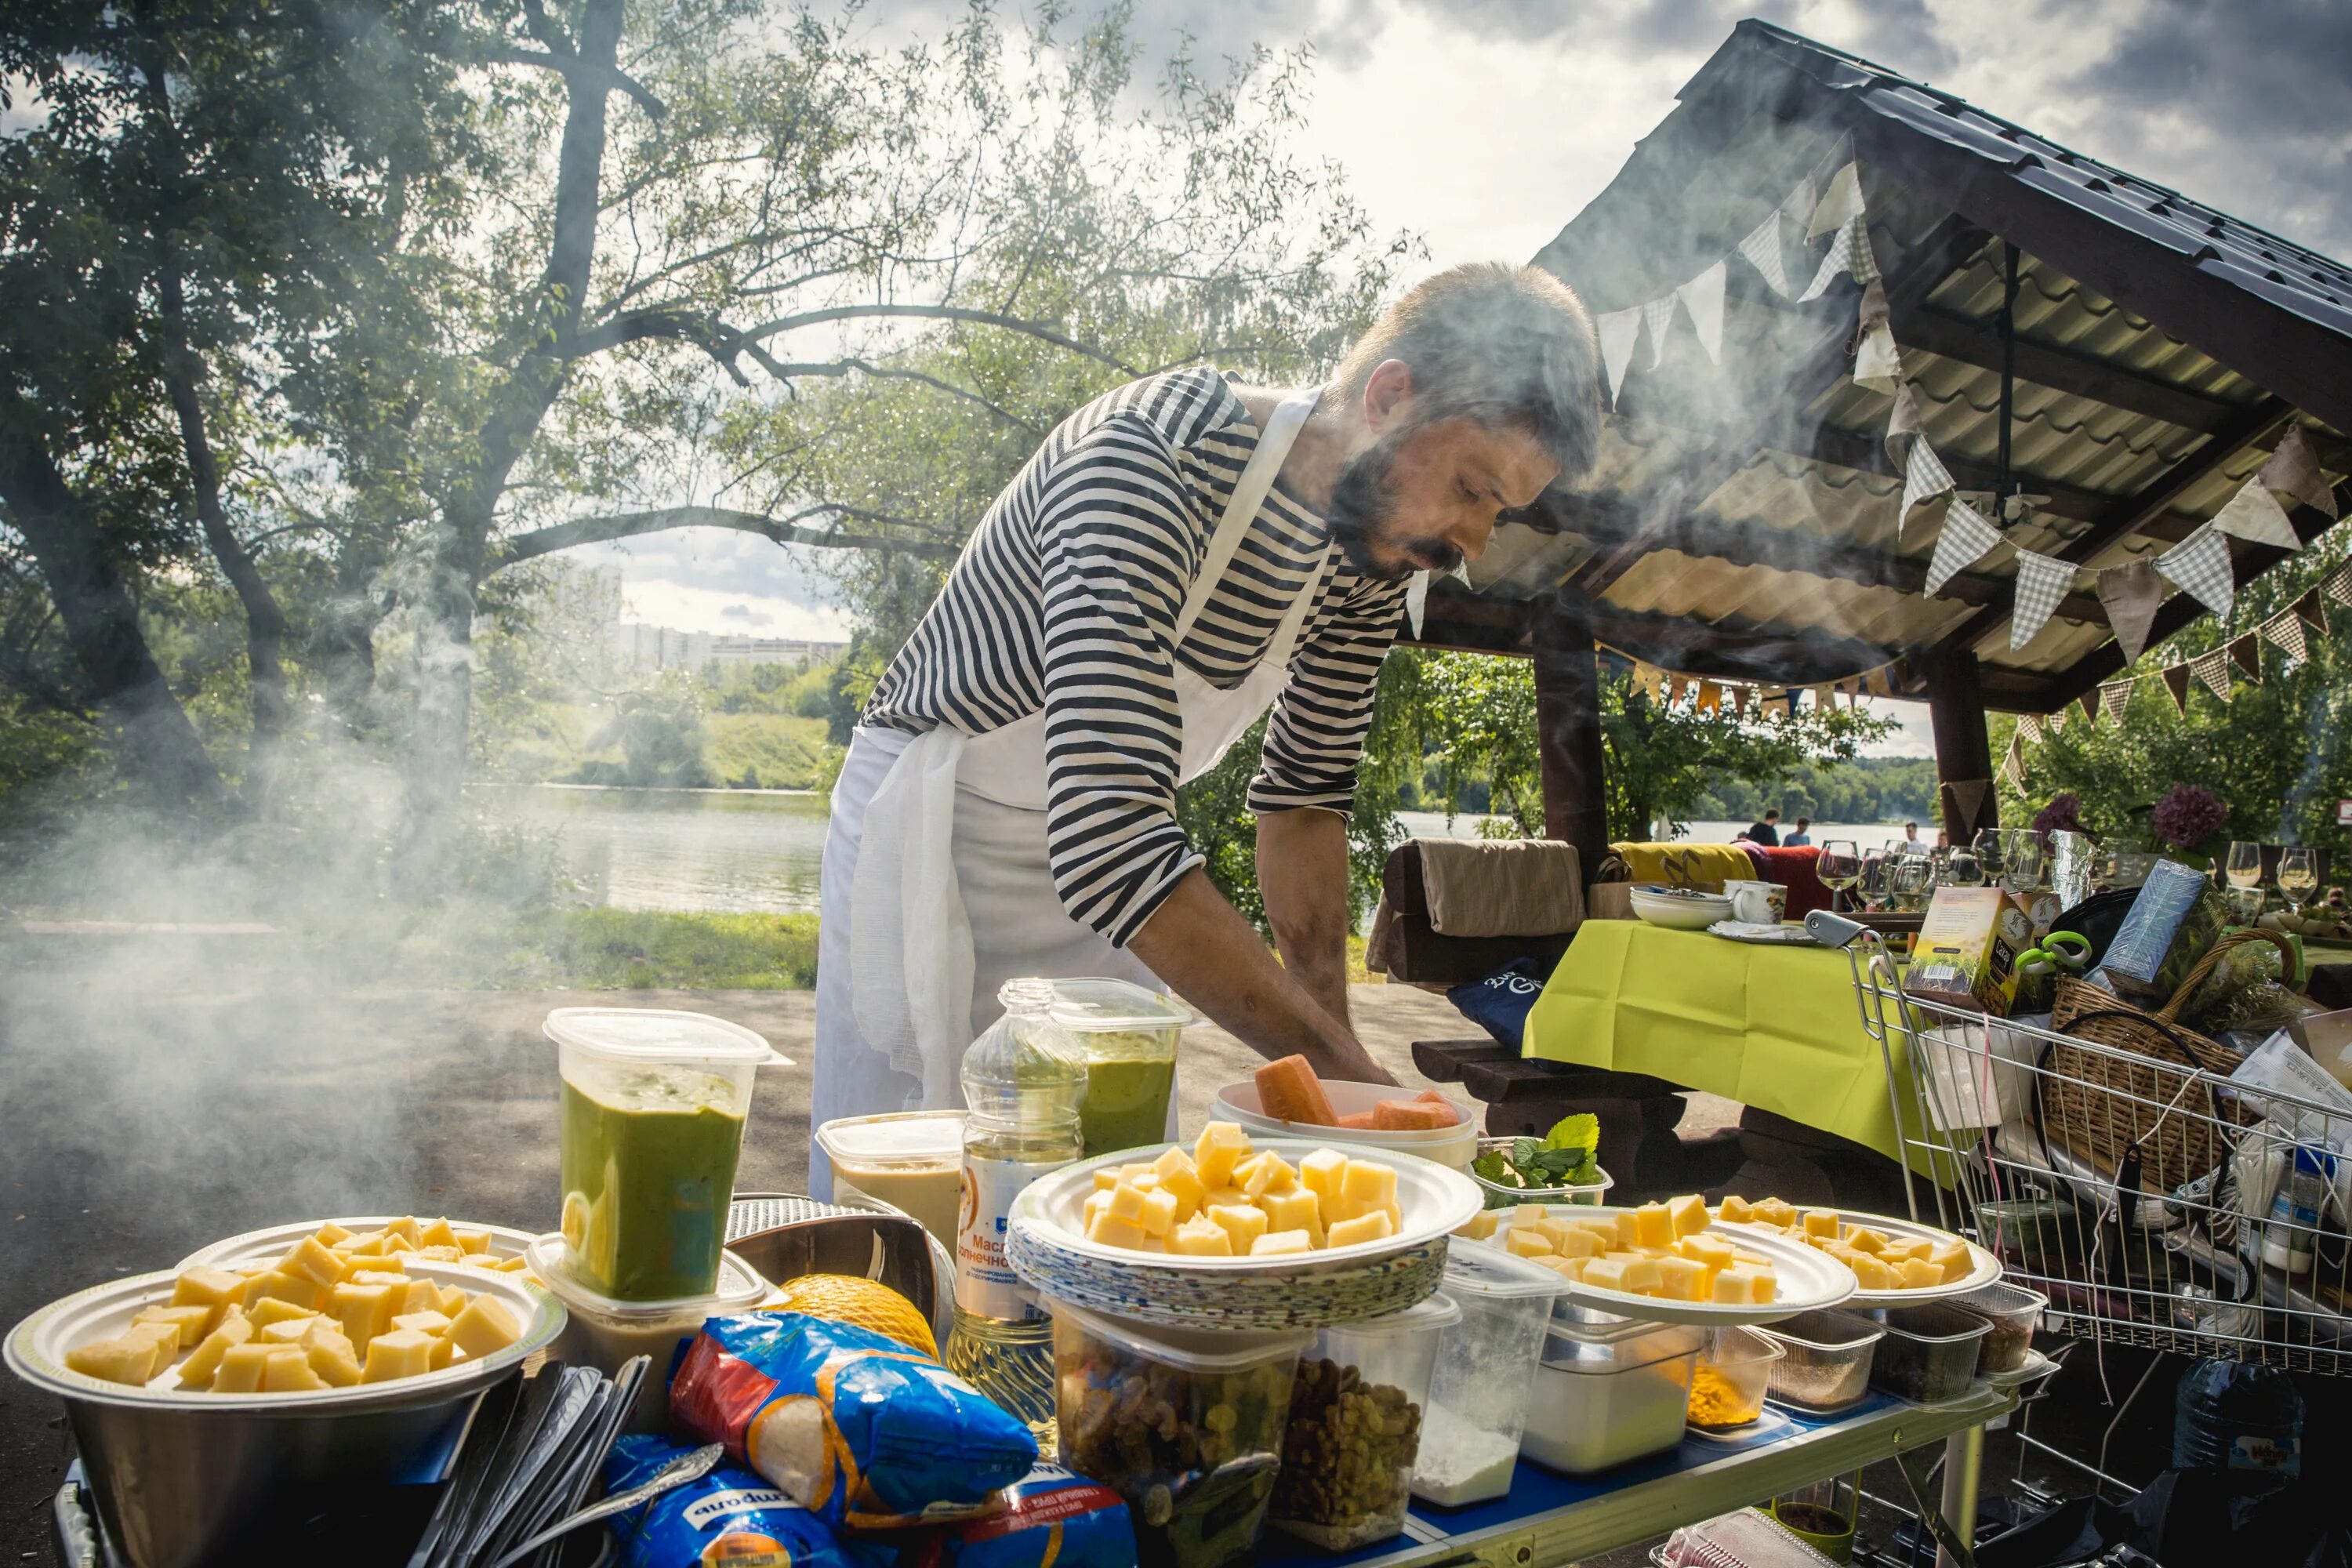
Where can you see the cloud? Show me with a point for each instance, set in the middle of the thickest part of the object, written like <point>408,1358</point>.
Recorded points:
<point>714,579</point>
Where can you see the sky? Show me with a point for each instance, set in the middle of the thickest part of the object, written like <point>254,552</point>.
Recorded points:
<point>1485,125</point>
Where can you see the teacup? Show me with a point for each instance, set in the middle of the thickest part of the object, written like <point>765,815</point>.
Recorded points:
<point>1756,903</point>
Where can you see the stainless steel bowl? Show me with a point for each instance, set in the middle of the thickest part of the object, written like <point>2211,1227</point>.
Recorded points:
<point>178,1477</point>
<point>785,1236</point>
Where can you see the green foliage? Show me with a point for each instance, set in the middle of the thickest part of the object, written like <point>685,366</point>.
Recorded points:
<point>660,736</point>
<point>656,949</point>
<point>769,751</point>
<point>1866,789</point>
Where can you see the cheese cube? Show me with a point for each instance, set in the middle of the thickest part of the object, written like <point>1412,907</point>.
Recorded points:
<point>483,1260</point>
<point>1201,1236</point>
<point>296,1290</point>
<point>366,1244</point>
<point>365,1310</point>
<point>1369,1183</point>
<point>437,1234</point>
<point>1109,1230</point>
<point>1603,1230</point>
<point>1395,1214</point>
<point>289,1331</point>
<point>214,1290</point>
<point>1181,1182</point>
<point>313,1260</point>
<point>1227,1195</point>
<point>1151,1244</point>
<point>473,1241</point>
<point>1628,1233</point>
<point>443,1354</point>
<point>1281,1243</point>
<point>1712,1251</point>
<point>197,1371</point>
<point>1954,1258</point>
<point>288,1371</point>
<point>1573,1241</point>
<point>1897,1248</point>
<point>1244,1223</point>
<point>516,1264</point>
<point>1126,1203</point>
<point>402,1352</point>
<point>1298,1209</point>
<point>1481,1225</point>
<point>432,1323</point>
<point>1642,1275</point>
<point>332,1358</point>
<point>450,1301</point>
<point>189,1325</point>
<point>1862,1238</point>
<point>1688,1213</point>
<point>1143,1178</point>
<point>1521,1240</point>
<point>1777,1210</point>
<point>1605,1274</point>
<point>1217,1150</point>
<point>406,1229</point>
<point>263,1313</point>
<point>1652,1226</point>
<point>1734,1210</point>
<point>1372,1226</point>
<point>1571,1268</point>
<point>241,1367</point>
<point>1322,1172</point>
<point>1821,1222</point>
<point>330,1233</point>
<point>1682,1279</point>
<point>1256,1176</point>
<point>415,1296</point>
<point>1736,1285</point>
<point>384,1273</point>
<point>439,1254</point>
<point>1918,1274</point>
<point>1159,1216</point>
<point>1097,1203</point>
<point>1106,1178</point>
<point>1872,1274</point>
<point>119,1360</point>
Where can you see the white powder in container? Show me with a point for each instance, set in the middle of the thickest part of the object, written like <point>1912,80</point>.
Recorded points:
<point>1460,1462</point>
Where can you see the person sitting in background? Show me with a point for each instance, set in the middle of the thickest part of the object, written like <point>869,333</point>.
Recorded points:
<point>1912,843</point>
<point>1766,832</point>
<point>1797,838</point>
<point>1943,841</point>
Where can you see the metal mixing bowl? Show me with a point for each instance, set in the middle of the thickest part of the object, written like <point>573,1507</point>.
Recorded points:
<point>179,1477</point>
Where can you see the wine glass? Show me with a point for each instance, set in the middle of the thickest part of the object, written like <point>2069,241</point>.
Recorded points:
<point>2021,860</point>
<point>1838,867</point>
<point>2244,866</point>
<point>1987,845</point>
<point>1966,868</point>
<point>1874,881</point>
<point>2298,877</point>
<point>1912,882</point>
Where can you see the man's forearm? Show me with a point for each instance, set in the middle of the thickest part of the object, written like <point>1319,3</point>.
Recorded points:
<point>1302,874</point>
<point>1215,960</point>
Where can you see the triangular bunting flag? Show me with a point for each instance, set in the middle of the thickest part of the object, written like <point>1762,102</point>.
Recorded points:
<point>2013,766</point>
<point>1802,202</point>
<point>2042,583</point>
<point>1878,683</point>
<point>2246,653</point>
<point>2031,726</point>
<point>2292,471</point>
<point>2175,681</point>
<point>1738,695</point>
<point>2339,586</point>
<point>1618,331</point>
<point>1703,297</point>
<point>2057,717</point>
<point>1903,420</point>
<point>1839,204</point>
<point>1762,249</point>
<point>1710,698</point>
<point>1836,262</point>
<point>2200,565</point>
<point>2212,670</point>
<point>2311,613</point>
<point>1924,478</point>
<point>2131,594</point>
<point>1675,688</point>
<point>1824,698</point>
<point>2089,703</point>
<point>1656,317</point>
<point>1859,259</point>
<point>2286,629</point>
<point>1966,538</point>
<point>2255,514</point>
<point>1877,362</point>
<point>2115,697</point>
<point>1873,309</point>
<point>1969,795</point>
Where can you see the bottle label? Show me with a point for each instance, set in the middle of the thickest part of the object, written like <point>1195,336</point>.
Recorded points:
<point>986,1284</point>
<point>2275,1456</point>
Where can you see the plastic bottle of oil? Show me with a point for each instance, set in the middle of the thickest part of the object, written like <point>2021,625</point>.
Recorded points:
<point>1024,1081</point>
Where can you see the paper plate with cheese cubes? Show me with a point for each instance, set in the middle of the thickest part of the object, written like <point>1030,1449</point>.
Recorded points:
<point>1669,1263</point>
<point>1893,1261</point>
<point>428,1238</point>
<point>1241,1231</point>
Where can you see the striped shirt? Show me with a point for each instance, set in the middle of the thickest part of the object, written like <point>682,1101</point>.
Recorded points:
<point>1067,597</point>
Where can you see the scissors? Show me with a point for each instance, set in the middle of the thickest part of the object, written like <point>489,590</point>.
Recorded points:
<point>2055,954</point>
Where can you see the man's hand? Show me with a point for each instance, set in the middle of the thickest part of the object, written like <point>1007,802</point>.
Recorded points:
<point>1215,960</point>
<point>1302,874</point>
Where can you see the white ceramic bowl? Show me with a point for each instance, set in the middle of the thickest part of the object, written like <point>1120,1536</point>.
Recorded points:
<point>1679,910</point>
<point>1046,1246</point>
<point>274,1242</point>
<point>1455,1146</point>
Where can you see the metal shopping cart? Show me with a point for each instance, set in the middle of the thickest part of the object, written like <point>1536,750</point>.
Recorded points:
<point>2155,1199</point>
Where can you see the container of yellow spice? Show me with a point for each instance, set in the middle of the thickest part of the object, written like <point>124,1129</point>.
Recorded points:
<point>1734,1372</point>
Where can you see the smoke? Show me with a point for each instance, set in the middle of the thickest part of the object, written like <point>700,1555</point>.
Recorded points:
<point>2324,711</point>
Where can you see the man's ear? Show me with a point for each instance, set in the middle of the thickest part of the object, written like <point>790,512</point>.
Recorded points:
<point>1388,395</point>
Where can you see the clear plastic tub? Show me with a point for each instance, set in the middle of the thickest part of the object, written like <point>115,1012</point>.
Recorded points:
<point>603,1332</point>
<point>1355,1426</point>
<point>651,1125</point>
<point>1499,1196</point>
<point>1930,1354</point>
<point>1186,1426</point>
<point>1129,1033</point>
<point>2014,1312</point>
<point>1826,1363</point>
<point>1728,1384</point>
<point>1606,1395</point>
<point>911,1159</point>
<point>1485,1371</point>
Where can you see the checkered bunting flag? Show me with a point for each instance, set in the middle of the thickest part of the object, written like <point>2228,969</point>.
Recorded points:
<point>2286,630</point>
<point>1849,252</point>
<point>2339,586</point>
<point>1924,478</point>
<point>2031,726</point>
<point>1966,538</point>
<point>2042,581</point>
<point>2212,670</point>
<point>1762,249</point>
<point>1657,315</point>
<point>2200,565</point>
<point>2115,697</point>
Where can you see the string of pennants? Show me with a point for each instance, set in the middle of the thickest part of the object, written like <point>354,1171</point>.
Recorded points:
<point>1709,696</point>
<point>2130,593</point>
<point>2218,670</point>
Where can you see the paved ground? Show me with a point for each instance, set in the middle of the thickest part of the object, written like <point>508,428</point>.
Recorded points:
<point>173,1093</point>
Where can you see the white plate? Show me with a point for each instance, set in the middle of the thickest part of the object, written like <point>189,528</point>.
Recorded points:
<point>1807,1279</point>
<point>1774,935</point>
<point>253,1247</point>
<point>1987,1269</point>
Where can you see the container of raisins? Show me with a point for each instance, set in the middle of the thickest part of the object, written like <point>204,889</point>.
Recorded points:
<point>1354,1428</point>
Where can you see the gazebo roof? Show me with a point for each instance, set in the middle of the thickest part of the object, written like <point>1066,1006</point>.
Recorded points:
<point>1742,520</point>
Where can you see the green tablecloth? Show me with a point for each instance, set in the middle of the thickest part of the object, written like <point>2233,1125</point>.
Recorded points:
<point>1774,1027</point>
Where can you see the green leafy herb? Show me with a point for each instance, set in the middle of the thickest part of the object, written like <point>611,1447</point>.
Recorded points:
<point>1564,1157</point>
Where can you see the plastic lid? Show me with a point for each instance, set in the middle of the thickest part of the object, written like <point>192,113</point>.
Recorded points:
<point>1490,1272</point>
<point>740,1289</point>
<point>1095,1005</point>
<point>651,1034</point>
<point>1195,1350</point>
<point>1429,1313</point>
<point>905,1137</point>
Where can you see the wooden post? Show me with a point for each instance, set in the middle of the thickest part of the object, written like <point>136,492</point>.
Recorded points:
<point>1956,713</point>
<point>1567,715</point>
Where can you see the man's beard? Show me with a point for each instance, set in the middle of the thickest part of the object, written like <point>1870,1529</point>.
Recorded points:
<point>1362,513</point>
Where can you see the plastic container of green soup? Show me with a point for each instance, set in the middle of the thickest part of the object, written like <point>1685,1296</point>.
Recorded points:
<point>1129,1033</point>
<point>651,1127</point>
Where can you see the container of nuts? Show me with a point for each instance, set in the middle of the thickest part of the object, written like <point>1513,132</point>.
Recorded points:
<point>1186,1426</point>
<point>1354,1429</point>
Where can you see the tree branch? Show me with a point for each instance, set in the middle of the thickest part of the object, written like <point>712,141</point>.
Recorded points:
<point>571,65</point>
<point>857,366</point>
<point>721,341</point>
<point>783,531</point>
<point>938,313</point>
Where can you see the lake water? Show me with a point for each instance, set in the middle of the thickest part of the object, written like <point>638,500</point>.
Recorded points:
<point>732,850</point>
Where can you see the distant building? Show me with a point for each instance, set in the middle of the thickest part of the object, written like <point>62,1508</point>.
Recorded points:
<point>661,647</point>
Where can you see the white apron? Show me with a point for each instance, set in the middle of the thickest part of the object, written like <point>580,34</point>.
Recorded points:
<point>936,886</point>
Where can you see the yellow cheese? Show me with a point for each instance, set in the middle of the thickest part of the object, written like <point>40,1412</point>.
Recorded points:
<point>400,1353</point>
<point>119,1360</point>
<point>1106,1178</point>
<point>515,1265</point>
<point>189,1325</point>
<point>473,1241</point>
<point>293,1289</point>
<point>214,1290</point>
<point>288,1371</point>
<point>1159,1217</point>
<point>313,1260</point>
<point>1181,1182</point>
<point>1735,1286</point>
<point>1201,1236</point>
<point>1256,1176</point>
<point>1605,1274</point>
<point>1954,1258</point>
<point>380,1275</point>
<point>445,1354</point>
<point>1242,1222</point>
<point>1369,1183</point>
<point>423,1322</point>
<point>1641,1274</point>
<point>1900,1247</point>
<point>437,1234</point>
<point>1711,1250</point>
<point>1126,1203</point>
<point>1872,1274</point>
<point>449,1300</point>
<point>330,1233</point>
<point>1918,1274</point>
<point>1628,1238</point>
<point>1680,1280</point>
<point>406,1229</point>
<point>1281,1243</point>
<point>265,1312</point>
<point>1575,1241</point>
<point>484,1260</point>
<point>1688,1213</point>
<point>1821,1222</point>
<point>1109,1230</point>
<point>449,1254</point>
<point>1734,1210</point>
<point>1225,1195</point>
<point>1217,1150</point>
<point>1574,1268</point>
<point>289,1331</point>
<point>1151,1244</point>
<point>332,1358</point>
<point>1322,1172</point>
<point>1298,1209</point>
<point>1652,1226</point>
<point>197,1371</point>
<point>1481,1224</point>
<point>1522,1240</point>
<point>365,1310</point>
<point>1777,1210</point>
<point>1097,1203</point>
<point>241,1367</point>
<point>1143,1178</point>
<point>1862,1238</point>
<point>1372,1226</point>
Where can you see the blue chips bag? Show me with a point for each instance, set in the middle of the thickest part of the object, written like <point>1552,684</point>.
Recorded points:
<point>729,1516</point>
<point>1051,1518</point>
<point>850,1424</point>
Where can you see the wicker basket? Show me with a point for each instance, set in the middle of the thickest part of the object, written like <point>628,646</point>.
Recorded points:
<point>2143,1089</point>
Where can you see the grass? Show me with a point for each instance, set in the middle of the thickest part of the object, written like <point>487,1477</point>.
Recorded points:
<point>768,750</point>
